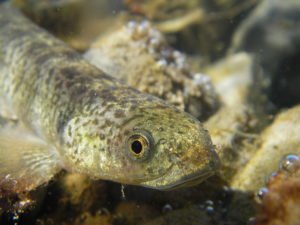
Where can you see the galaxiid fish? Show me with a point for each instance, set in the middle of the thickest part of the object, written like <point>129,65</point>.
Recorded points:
<point>73,116</point>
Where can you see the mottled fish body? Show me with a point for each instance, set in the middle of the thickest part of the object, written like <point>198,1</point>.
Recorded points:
<point>73,116</point>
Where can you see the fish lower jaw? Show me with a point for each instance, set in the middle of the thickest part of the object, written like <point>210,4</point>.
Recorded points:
<point>183,182</point>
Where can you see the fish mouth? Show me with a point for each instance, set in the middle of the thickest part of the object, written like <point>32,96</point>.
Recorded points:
<point>176,177</point>
<point>183,182</point>
<point>189,181</point>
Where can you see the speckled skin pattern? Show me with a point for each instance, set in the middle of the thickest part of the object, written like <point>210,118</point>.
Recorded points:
<point>88,116</point>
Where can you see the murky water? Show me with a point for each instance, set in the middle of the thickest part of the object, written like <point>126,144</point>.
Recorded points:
<point>231,64</point>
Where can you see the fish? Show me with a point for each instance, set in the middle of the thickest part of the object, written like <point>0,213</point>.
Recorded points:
<point>72,116</point>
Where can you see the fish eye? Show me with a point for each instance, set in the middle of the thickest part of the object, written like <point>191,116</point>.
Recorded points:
<point>139,146</point>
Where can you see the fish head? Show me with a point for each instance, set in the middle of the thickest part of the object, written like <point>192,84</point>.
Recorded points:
<point>162,148</point>
<point>146,143</point>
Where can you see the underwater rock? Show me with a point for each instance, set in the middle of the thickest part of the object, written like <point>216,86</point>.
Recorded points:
<point>239,79</point>
<point>134,213</point>
<point>209,189</point>
<point>139,55</point>
<point>211,197</point>
<point>239,208</point>
<point>280,205</point>
<point>21,208</point>
<point>282,137</point>
<point>76,22</point>
<point>15,203</point>
<point>239,82</point>
<point>228,131</point>
<point>160,10</point>
<point>72,195</point>
<point>80,191</point>
<point>197,27</point>
<point>188,216</point>
<point>58,16</point>
<point>89,219</point>
<point>272,33</point>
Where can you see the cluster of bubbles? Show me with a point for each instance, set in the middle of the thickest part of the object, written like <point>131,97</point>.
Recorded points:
<point>207,206</point>
<point>172,62</point>
<point>153,41</point>
<point>289,164</point>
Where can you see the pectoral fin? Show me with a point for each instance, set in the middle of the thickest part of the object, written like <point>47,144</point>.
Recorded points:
<point>5,111</point>
<point>25,162</point>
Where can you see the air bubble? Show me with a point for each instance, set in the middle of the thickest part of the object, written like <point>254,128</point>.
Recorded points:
<point>200,78</point>
<point>209,202</point>
<point>167,208</point>
<point>132,25</point>
<point>154,43</point>
<point>15,218</point>
<point>162,63</point>
<point>210,210</point>
<point>270,178</point>
<point>290,163</point>
<point>262,192</point>
<point>209,207</point>
<point>251,221</point>
<point>145,25</point>
<point>24,203</point>
<point>132,29</point>
<point>143,28</point>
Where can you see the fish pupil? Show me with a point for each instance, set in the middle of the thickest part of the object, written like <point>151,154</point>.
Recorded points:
<point>136,147</point>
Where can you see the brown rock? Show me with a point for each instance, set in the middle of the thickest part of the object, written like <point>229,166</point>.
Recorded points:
<point>281,204</point>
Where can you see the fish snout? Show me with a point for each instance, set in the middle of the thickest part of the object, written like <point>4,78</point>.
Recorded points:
<point>198,157</point>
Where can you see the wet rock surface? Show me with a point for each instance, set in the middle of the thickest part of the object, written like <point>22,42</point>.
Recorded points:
<point>280,201</point>
<point>238,80</point>
<point>272,147</point>
<point>69,13</point>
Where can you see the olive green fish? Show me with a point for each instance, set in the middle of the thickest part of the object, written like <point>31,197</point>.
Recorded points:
<point>73,116</point>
